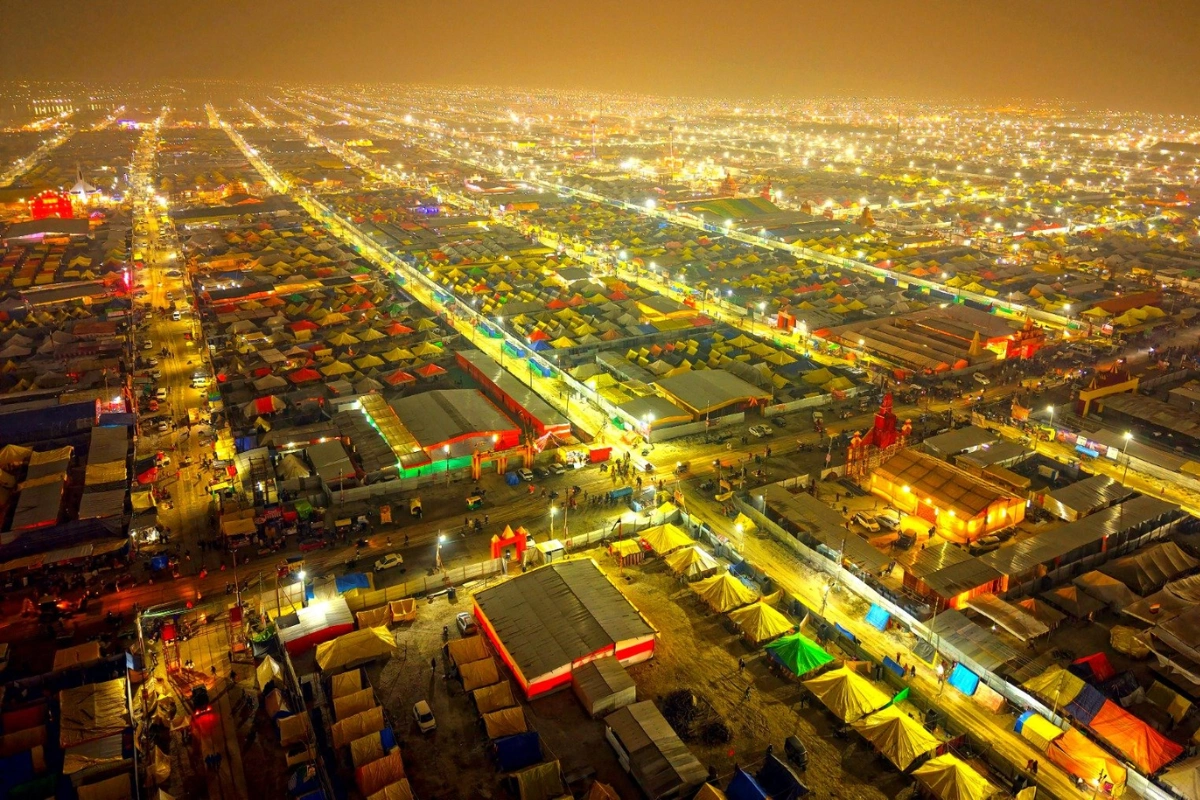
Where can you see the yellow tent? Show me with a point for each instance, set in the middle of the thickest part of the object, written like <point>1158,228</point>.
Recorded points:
<point>478,674</point>
<point>336,368</point>
<point>400,790</point>
<point>900,739</point>
<point>950,778</point>
<point>743,523</point>
<point>356,647</point>
<point>691,562</point>
<point>847,694</point>
<point>665,538</point>
<point>760,622</point>
<point>723,592</point>
<point>505,722</point>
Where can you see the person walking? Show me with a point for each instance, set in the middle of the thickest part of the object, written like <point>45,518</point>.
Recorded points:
<point>741,665</point>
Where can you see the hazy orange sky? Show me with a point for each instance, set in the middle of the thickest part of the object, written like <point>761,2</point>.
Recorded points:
<point>1100,53</point>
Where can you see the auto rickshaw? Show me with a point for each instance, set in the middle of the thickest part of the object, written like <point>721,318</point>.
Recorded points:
<point>474,502</point>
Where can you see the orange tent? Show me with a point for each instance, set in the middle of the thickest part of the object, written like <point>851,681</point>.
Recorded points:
<point>1145,747</point>
<point>1081,757</point>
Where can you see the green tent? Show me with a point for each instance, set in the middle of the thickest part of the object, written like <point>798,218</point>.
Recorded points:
<point>798,653</point>
<point>304,509</point>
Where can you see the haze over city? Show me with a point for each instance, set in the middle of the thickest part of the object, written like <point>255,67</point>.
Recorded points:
<point>597,400</point>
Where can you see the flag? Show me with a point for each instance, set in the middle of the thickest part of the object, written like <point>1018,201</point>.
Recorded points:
<point>900,696</point>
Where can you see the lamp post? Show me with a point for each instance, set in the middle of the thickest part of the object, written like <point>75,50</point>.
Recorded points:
<point>500,325</point>
<point>1124,448</point>
<point>446,451</point>
<point>649,428</point>
<point>437,554</point>
<point>303,589</point>
<point>553,511</point>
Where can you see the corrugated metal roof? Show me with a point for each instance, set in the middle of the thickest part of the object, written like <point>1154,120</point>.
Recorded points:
<point>658,759</point>
<point>1089,494</point>
<point>976,643</point>
<point>1025,555</point>
<point>552,616</point>
<point>954,442</point>
<point>823,523</point>
<point>950,487</point>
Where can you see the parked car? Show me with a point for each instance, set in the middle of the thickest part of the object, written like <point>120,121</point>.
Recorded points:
<point>525,475</point>
<point>888,519</point>
<point>759,431</point>
<point>557,469</point>
<point>307,545</point>
<point>867,521</point>
<point>540,473</point>
<point>466,623</point>
<point>388,561</point>
<point>161,394</point>
<point>423,716</point>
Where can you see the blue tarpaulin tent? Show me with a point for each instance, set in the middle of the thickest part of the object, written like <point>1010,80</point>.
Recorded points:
<point>1086,705</point>
<point>355,580</point>
<point>964,680</point>
<point>877,617</point>
<point>518,751</point>
<point>779,781</point>
<point>744,787</point>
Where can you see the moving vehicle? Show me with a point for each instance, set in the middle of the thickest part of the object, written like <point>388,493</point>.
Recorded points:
<point>981,379</point>
<point>388,561</point>
<point>423,716</point>
<point>466,623</point>
<point>796,752</point>
<point>888,519</point>
<point>867,521</point>
<point>474,502</point>
<point>759,431</point>
<point>414,507</point>
<point>525,474</point>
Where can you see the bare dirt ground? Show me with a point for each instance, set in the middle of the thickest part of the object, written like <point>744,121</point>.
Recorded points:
<point>696,651</point>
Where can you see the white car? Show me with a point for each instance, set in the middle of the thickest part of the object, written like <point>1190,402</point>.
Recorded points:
<point>423,716</point>
<point>759,431</point>
<point>867,521</point>
<point>981,379</point>
<point>161,394</point>
<point>525,475</point>
<point>388,561</point>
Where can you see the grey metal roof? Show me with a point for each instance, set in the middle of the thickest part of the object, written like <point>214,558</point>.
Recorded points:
<point>552,616</point>
<point>521,394</point>
<point>979,644</point>
<point>623,368</point>
<point>1025,555</point>
<point>601,678</point>
<point>824,524</point>
<point>998,453</point>
<point>1158,456</point>
<point>96,505</point>
<point>948,569</point>
<point>38,506</point>
<point>954,442</point>
<point>709,389</point>
<point>658,759</point>
<point>1089,494</point>
<point>108,444</point>
<point>442,416</point>
<point>330,460</point>
<point>659,408</point>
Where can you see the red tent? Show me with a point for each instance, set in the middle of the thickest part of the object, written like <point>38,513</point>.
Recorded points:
<point>304,325</point>
<point>396,329</point>
<point>304,375</point>
<point>430,371</point>
<point>538,335</point>
<point>398,377</point>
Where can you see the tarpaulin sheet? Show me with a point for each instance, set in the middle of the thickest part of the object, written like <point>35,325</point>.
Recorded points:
<point>900,739</point>
<point>505,722</point>
<point>93,711</point>
<point>374,617</point>
<point>778,779</point>
<point>1094,667</point>
<point>379,773</point>
<point>355,580</point>
<point>1055,685</point>
<point>1037,730</point>
<point>1148,749</point>
<point>30,716</point>
<point>276,704</point>
<point>464,651</point>
<point>723,592</point>
<point>80,654</point>
<point>798,653</point>
<point>494,698</point>
<point>518,750</point>
<point>744,787</point>
<point>950,778</point>
<point>22,740</point>
<point>759,622</point>
<point>268,672</point>
<point>356,647</point>
<point>403,610</point>
<point>98,474</point>
<point>1184,778</point>
<point>366,749</point>
<point>292,729</point>
<point>1082,757</point>
<point>400,790</point>
<point>345,683</point>
<point>348,705</point>
<point>877,617</point>
<point>347,730</point>
<point>478,674</point>
<point>117,787</point>
<point>964,680</point>
<point>847,694</point>
<point>1086,705</point>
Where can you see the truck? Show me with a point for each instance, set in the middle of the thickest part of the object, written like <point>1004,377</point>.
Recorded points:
<point>620,492</point>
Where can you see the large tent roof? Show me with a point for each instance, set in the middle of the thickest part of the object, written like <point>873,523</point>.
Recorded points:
<point>356,647</point>
<point>691,562</point>
<point>798,653</point>
<point>760,622</point>
<point>557,614</point>
<point>658,760</point>
<point>1148,570</point>
<point>664,539</point>
<point>847,694</point>
<point>951,778</point>
<point>1184,778</point>
<point>723,592</point>
<point>901,740</point>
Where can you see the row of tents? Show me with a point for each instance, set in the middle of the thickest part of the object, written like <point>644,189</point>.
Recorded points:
<point>361,728</point>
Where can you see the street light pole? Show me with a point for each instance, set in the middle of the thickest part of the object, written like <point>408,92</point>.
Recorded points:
<point>552,512</point>
<point>446,450</point>
<point>437,559</point>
